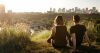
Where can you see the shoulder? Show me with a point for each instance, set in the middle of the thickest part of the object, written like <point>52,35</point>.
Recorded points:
<point>54,27</point>
<point>72,27</point>
<point>83,26</point>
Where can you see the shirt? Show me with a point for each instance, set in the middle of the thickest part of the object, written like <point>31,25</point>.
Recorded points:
<point>59,35</point>
<point>79,31</point>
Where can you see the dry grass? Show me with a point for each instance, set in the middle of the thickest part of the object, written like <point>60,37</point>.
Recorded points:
<point>16,40</point>
<point>13,40</point>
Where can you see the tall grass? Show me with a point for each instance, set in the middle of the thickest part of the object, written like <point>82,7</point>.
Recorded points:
<point>41,35</point>
<point>43,46</point>
<point>13,40</point>
<point>17,39</point>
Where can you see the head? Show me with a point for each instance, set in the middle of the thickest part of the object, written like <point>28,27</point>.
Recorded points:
<point>76,18</point>
<point>58,20</point>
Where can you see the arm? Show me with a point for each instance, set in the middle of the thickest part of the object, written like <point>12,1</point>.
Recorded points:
<point>49,40</point>
<point>73,40</point>
<point>73,37</point>
<point>51,36</point>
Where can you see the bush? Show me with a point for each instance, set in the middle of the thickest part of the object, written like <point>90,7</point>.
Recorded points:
<point>91,35</point>
<point>97,29</point>
<point>12,40</point>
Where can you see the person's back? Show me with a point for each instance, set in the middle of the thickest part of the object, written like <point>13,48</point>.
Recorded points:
<point>79,31</point>
<point>58,38</point>
<point>60,35</point>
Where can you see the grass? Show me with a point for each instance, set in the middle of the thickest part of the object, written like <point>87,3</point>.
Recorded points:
<point>43,46</point>
<point>41,35</point>
<point>12,40</point>
<point>15,40</point>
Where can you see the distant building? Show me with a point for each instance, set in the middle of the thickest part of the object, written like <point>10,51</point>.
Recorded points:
<point>72,10</point>
<point>76,9</point>
<point>54,10</point>
<point>93,10</point>
<point>83,10</point>
<point>2,8</point>
<point>87,10</point>
<point>79,11</point>
<point>9,11</point>
<point>63,10</point>
<point>69,10</point>
<point>50,9</point>
<point>66,11</point>
<point>59,10</point>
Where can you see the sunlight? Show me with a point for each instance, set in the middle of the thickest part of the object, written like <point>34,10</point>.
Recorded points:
<point>34,5</point>
<point>26,5</point>
<point>41,35</point>
<point>45,5</point>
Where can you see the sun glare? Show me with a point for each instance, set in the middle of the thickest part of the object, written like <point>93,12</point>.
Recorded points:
<point>42,5</point>
<point>33,5</point>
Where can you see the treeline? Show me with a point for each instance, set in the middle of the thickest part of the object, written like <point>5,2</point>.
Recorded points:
<point>41,18</point>
<point>38,16</point>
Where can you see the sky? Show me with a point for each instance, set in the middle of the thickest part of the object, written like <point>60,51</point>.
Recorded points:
<point>45,5</point>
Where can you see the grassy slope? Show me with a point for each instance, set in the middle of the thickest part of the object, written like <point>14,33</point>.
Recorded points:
<point>42,45</point>
<point>17,41</point>
<point>13,40</point>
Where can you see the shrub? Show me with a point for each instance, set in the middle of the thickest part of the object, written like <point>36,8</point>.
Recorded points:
<point>97,29</point>
<point>91,35</point>
<point>12,40</point>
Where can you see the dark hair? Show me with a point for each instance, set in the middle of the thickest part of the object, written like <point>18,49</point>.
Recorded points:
<point>76,18</point>
<point>58,20</point>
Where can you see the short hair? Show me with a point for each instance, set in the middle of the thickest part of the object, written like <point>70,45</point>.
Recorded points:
<point>76,18</point>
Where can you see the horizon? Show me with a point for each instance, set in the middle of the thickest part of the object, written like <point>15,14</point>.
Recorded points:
<point>45,5</point>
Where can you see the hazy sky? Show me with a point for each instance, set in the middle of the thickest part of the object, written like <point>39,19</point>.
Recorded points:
<point>44,5</point>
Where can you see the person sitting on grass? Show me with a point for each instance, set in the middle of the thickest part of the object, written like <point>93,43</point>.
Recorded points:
<point>77,32</point>
<point>59,36</point>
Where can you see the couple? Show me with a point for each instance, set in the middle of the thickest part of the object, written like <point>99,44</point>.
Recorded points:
<point>60,37</point>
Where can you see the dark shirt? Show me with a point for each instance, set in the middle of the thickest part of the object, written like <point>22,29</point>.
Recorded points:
<point>60,34</point>
<point>79,31</point>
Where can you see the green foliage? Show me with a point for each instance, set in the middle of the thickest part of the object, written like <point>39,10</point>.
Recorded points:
<point>41,35</point>
<point>97,29</point>
<point>42,46</point>
<point>16,38</point>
